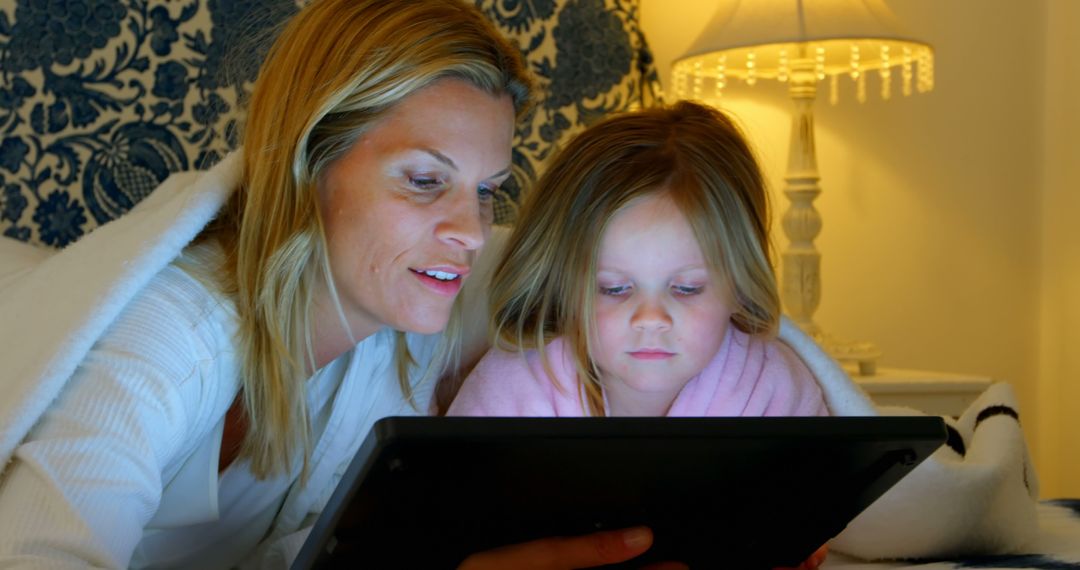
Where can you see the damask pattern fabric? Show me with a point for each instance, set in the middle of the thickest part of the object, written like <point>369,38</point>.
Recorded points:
<point>590,58</point>
<point>100,100</point>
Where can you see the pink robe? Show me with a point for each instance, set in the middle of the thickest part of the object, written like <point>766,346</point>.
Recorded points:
<point>749,376</point>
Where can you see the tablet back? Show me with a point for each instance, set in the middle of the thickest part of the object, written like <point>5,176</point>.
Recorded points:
<point>742,493</point>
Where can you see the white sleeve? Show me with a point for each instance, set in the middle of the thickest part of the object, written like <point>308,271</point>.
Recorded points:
<point>84,483</point>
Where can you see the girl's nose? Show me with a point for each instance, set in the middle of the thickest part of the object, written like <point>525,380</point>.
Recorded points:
<point>650,315</point>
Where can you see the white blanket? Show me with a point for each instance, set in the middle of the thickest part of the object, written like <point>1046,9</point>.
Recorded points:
<point>54,307</point>
<point>1056,548</point>
<point>53,311</point>
<point>977,495</point>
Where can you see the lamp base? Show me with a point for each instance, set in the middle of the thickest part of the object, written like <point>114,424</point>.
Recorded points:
<point>863,353</point>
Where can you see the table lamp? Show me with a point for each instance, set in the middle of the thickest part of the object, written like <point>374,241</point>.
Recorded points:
<point>804,42</point>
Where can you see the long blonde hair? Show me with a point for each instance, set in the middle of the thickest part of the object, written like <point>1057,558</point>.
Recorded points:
<point>336,69</point>
<point>545,282</point>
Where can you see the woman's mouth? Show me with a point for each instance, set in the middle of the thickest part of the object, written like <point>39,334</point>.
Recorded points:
<point>444,281</point>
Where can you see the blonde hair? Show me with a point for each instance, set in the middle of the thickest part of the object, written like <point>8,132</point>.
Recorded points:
<point>336,69</point>
<point>544,285</point>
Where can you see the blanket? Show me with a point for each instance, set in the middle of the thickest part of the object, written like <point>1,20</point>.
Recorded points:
<point>975,496</point>
<point>1057,547</point>
<point>64,301</point>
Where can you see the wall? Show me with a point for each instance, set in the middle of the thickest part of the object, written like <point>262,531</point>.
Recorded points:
<point>932,203</point>
<point>1059,391</point>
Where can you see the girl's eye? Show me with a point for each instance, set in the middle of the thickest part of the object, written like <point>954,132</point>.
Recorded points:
<point>616,291</point>
<point>686,290</point>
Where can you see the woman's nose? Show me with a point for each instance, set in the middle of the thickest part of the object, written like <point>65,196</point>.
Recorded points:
<point>463,223</point>
<point>650,315</point>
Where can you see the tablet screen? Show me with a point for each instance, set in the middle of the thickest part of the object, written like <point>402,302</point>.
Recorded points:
<point>425,492</point>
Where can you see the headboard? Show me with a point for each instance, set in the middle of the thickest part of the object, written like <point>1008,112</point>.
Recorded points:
<point>100,100</point>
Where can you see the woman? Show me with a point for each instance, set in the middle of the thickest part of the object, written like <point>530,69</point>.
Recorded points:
<point>209,422</point>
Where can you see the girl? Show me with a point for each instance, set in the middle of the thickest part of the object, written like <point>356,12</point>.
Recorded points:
<point>638,283</point>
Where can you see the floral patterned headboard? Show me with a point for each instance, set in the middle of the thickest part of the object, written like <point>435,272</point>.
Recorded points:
<point>100,100</point>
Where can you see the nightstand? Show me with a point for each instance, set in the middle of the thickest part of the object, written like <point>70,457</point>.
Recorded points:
<point>937,393</point>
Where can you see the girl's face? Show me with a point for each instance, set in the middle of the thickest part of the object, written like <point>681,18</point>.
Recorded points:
<point>408,206</point>
<point>660,316</point>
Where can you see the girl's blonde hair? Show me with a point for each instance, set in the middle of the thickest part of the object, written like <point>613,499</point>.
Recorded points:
<point>544,285</point>
<point>336,69</point>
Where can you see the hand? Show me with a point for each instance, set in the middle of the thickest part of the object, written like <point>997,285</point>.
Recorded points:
<point>814,562</point>
<point>566,553</point>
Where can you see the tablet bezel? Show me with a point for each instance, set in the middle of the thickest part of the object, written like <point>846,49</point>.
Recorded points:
<point>837,467</point>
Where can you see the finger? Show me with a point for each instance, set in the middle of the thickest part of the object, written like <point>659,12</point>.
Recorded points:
<point>666,566</point>
<point>813,562</point>
<point>806,565</point>
<point>565,553</point>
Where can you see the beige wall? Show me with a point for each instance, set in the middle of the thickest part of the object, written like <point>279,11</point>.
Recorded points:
<point>932,204</point>
<point>1059,390</point>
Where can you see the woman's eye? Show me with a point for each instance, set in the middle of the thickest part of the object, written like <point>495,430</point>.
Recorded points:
<point>486,191</point>
<point>426,182</point>
<point>686,290</point>
<point>616,291</point>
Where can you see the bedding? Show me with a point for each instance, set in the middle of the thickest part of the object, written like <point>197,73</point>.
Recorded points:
<point>1057,547</point>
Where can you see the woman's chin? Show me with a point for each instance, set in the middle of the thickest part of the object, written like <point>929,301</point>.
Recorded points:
<point>425,324</point>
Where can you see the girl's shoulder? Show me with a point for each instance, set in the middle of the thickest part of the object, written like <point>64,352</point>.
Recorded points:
<point>769,351</point>
<point>779,353</point>
<point>794,385</point>
<point>552,366</point>
<point>509,381</point>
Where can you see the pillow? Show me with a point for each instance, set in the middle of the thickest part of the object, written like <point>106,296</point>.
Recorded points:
<point>100,100</point>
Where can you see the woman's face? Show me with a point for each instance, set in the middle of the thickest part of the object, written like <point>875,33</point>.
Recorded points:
<point>408,206</point>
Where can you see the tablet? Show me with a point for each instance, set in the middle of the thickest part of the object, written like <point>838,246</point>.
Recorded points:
<point>425,492</point>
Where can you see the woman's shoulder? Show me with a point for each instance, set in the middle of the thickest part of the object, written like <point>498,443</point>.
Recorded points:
<point>179,333</point>
<point>180,308</point>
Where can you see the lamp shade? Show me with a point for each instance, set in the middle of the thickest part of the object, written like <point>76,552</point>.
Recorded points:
<point>769,39</point>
